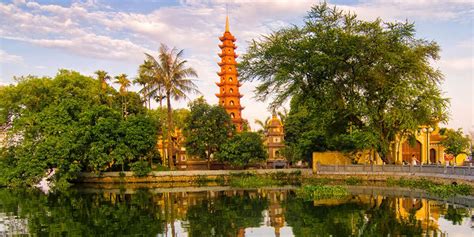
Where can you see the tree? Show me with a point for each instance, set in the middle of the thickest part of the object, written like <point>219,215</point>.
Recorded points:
<point>61,123</point>
<point>367,75</point>
<point>102,77</point>
<point>124,83</point>
<point>144,79</point>
<point>263,125</point>
<point>206,129</point>
<point>173,73</point>
<point>243,149</point>
<point>455,142</point>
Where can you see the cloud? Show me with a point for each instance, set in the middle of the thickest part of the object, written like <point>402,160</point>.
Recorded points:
<point>458,64</point>
<point>9,58</point>
<point>91,29</point>
<point>438,10</point>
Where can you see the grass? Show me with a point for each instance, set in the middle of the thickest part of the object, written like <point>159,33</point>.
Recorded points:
<point>316,192</point>
<point>440,190</point>
<point>251,180</point>
<point>353,181</point>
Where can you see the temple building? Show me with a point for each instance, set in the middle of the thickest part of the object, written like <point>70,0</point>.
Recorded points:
<point>229,95</point>
<point>274,141</point>
<point>427,149</point>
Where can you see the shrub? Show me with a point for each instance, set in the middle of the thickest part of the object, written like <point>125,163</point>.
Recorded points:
<point>353,181</point>
<point>140,168</point>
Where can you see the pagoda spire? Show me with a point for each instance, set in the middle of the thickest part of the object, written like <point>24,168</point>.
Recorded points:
<point>227,24</point>
<point>229,95</point>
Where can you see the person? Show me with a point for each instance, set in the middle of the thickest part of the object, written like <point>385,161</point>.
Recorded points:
<point>414,161</point>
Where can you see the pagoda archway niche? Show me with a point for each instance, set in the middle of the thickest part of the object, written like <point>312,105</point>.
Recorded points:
<point>408,150</point>
<point>433,156</point>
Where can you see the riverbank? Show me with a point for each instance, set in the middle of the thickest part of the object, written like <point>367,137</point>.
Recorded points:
<point>441,186</point>
<point>184,178</point>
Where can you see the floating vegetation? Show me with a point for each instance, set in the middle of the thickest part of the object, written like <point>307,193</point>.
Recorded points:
<point>441,190</point>
<point>353,181</point>
<point>251,180</point>
<point>316,192</point>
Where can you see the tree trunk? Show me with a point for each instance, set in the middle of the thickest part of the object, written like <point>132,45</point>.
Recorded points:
<point>170,128</point>
<point>208,161</point>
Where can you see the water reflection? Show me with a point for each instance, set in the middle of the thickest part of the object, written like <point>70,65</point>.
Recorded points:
<point>259,212</point>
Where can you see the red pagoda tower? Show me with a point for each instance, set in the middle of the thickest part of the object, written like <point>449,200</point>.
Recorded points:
<point>229,96</point>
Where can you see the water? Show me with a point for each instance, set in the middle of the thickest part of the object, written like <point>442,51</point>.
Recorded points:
<point>222,211</point>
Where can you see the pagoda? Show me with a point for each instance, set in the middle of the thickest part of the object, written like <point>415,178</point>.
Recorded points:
<point>229,96</point>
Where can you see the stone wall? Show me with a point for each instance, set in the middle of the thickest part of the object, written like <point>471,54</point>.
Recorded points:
<point>382,172</point>
<point>176,176</point>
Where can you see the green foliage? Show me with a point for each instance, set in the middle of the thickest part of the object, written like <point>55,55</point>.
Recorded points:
<point>206,129</point>
<point>229,215</point>
<point>456,214</point>
<point>353,83</point>
<point>316,192</point>
<point>455,142</point>
<point>161,168</point>
<point>167,77</point>
<point>77,214</point>
<point>63,123</point>
<point>243,149</point>
<point>140,168</point>
<point>441,190</point>
<point>251,180</point>
<point>353,181</point>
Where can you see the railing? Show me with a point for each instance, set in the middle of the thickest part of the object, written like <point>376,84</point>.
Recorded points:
<point>423,169</point>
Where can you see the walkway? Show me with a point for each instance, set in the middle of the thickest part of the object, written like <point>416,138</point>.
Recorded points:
<point>465,173</point>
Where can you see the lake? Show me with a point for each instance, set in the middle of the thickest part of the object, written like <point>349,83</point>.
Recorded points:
<point>224,211</point>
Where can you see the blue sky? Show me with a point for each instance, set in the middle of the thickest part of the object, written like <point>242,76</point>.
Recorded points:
<point>39,37</point>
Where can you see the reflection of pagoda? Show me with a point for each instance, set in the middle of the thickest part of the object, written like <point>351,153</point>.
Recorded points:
<point>229,96</point>
<point>276,211</point>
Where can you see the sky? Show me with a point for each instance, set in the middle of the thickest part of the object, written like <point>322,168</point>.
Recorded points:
<point>40,37</point>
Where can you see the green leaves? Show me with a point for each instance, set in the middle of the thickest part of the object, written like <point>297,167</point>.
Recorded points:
<point>61,122</point>
<point>206,128</point>
<point>348,74</point>
<point>243,149</point>
<point>455,142</point>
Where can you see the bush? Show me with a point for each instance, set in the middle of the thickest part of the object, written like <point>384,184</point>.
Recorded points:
<point>140,168</point>
<point>440,190</point>
<point>243,149</point>
<point>353,181</point>
<point>161,168</point>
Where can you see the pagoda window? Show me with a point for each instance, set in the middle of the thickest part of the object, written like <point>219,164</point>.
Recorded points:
<point>231,102</point>
<point>230,79</point>
<point>223,102</point>
<point>232,115</point>
<point>231,90</point>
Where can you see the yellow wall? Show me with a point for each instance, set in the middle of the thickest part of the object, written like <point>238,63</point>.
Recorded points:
<point>340,158</point>
<point>331,158</point>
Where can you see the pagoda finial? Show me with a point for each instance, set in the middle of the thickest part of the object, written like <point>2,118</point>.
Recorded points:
<point>227,24</point>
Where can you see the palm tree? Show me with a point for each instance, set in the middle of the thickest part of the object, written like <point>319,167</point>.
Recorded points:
<point>170,79</point>
<point>145,80</point>
<point>102,77</point>
<point>263,126</point>
<point>124,84</point>
<point>283,114</point>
